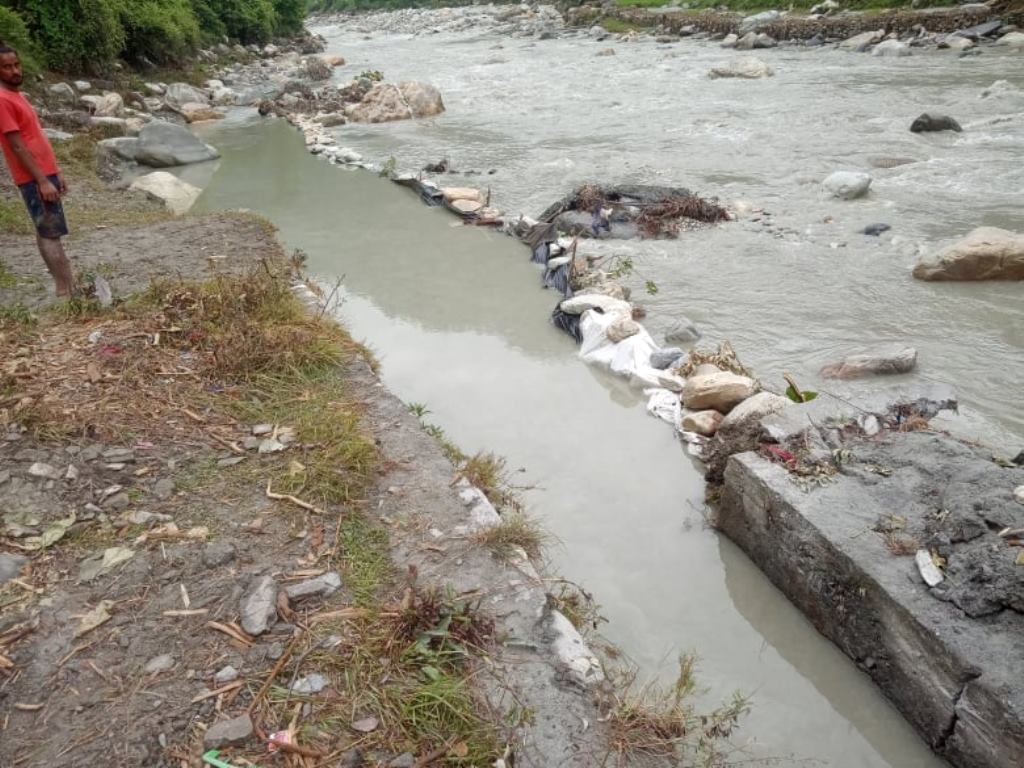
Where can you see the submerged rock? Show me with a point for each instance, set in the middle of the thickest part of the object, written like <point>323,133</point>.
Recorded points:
<point>927,123</point>
<point>987,253</point>
<point>879,362</point>
<point>892,48</point>
<point>863,41</point>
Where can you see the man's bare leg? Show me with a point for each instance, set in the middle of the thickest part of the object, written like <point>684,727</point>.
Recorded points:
<point>52,251</point>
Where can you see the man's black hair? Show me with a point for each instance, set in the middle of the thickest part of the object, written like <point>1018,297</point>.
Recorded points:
<point>5,48</point>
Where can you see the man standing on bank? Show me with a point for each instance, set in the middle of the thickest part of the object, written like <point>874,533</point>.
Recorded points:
<point>34,169</point>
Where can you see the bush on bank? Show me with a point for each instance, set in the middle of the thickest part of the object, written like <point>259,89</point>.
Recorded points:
<point>89,35</point>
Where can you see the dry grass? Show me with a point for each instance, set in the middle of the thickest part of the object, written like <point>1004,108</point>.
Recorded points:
<point>663,219</point>
<point>516,530</point>
<point>650,721</point>
<point>723,357</point>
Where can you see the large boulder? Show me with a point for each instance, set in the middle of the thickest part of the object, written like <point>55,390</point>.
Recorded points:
<point>891,48</point>
<point>176,194</point>
<point>719,391</point>
<point>847,185</point>
<point>1012,39</point>
<point>987,253</point>
<point>747,67</point>
<point>385,103</point>
<point>863,41</point>
<point>880,361</point>
<point>179,94</point>
<point>161,144</point>
<point>63,94</point>
<point>928,123</point>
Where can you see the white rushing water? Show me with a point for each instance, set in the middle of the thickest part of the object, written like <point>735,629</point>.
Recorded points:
<point>459,321</point>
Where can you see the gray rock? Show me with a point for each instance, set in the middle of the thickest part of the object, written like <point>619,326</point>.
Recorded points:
<point>10,566</point>
<point>863,41</point>
<point>63,94</point>
<point>54,135</point>
<point>118,502</point>
<point>225,674</point>
<point>309,684</point>
<point>262,429</point>
<point>324,585</point>
<point>758,20</point>
<point>681,331</point>
<point>234,731</point>
<point>755,40</point>
<point>218,553</point>
<point>163,489</point>
<point>161,144</point>
<point>666,358</point>
<point>178,95</point>
<point>259,605</point>
<point>874,230</point>
<point>892,48</point>
<point>927,123</point>
<point>352,759</point>
<point>275,651</point>
<point>119,455</point>
<point>404,760</point>
<point>47,471</point>
<point>162,663</point>
<point>847,185</point>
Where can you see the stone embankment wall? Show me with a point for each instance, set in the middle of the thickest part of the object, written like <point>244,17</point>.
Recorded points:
<point>948,656</point>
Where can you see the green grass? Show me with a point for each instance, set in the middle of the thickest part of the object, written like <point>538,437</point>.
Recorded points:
<point>14,220</point>
<point>365,558</point>
<point>16,315</point>
<point>516,530</point>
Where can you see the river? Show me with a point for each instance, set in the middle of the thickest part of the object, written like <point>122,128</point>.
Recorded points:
<point>457,317</point>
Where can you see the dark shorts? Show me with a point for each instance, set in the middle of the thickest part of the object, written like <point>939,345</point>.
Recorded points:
<point>48,217</point>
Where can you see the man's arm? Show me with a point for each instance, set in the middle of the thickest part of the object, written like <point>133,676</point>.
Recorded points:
<point>47,191</point>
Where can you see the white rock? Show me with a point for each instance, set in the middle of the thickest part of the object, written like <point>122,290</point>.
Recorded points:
<point>309,684</point>
<point>177,95</point>
<point>957,43</point>
<point>580,303</point>
<point>730,40</point>
<point>176,194</point>
<point>702,422</point>
<point>573,652</point>
<point>745,67</point>
<point>83,85</point>
<point>926,566</point>
<point>107,105</point>
<point>48,471</point>
<point>1012,39</point>
<point>158,664</point>
<point>847,185</point>
<point>717,391</point>
<point>891,48</point>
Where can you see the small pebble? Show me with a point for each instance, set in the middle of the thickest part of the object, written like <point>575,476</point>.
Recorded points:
<point>158,664</point>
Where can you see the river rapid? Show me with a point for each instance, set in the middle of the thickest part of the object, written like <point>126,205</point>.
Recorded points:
<point>457,317</point>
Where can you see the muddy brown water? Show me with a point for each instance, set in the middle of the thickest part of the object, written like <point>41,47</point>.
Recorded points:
<point>459,322</point>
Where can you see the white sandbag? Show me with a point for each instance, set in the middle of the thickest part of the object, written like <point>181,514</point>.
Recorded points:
<point>579,304</point>
<point>665,405</point>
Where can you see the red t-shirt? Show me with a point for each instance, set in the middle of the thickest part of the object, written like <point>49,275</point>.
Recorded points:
<point>16,114</point>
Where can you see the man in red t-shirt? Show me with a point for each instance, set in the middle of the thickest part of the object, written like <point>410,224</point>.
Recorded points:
<point>34,169</point>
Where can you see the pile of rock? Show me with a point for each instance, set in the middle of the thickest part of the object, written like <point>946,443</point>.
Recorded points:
<point>539,22</point>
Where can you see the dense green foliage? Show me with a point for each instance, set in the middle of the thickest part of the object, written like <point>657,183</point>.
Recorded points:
<point>84,35</point>
<point>14,33</point>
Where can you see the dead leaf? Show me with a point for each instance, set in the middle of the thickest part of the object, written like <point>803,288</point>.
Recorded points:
<point>94,618</point>
<point>460,750</point>
<point>51,535</point>
<point>93,372</point>
<point>1020,558</point>
<point>284,607</point>
<point>366,725</point>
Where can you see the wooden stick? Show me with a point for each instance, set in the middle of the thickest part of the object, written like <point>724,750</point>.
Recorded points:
<point>230,632</point>
<point>190,612</point>
<point>437,754</point>
<point>274,672</point>
<point>1007,532</point>
<point>297,502</point>
<point>796,388</point>
<point>218,691</point>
